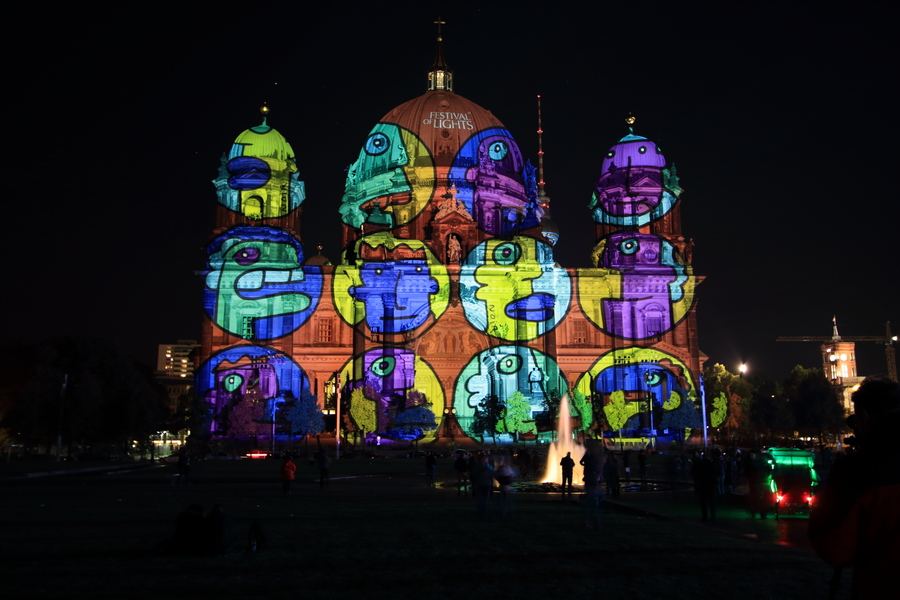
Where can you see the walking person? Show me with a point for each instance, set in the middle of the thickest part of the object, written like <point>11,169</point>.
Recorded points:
<point>288,468</point>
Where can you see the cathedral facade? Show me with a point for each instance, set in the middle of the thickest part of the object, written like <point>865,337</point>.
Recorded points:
<point>446,315</point>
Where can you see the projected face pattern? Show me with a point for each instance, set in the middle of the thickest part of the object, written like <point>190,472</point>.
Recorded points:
<point>488,173</point>
<point>260,178</point>
<point>396,290</point>
<point>391,181</point>
<point>255,287</point>
<point>633,190</point>
<point>641,289</point>
<point>639,373</point>
<point>256,373</point>
<point>503,370</point>
<point>393,372</point>
<point>513,290</point>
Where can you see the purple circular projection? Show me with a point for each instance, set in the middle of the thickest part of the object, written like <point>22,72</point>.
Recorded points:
<point>634,151</point>
<point>247,256</point>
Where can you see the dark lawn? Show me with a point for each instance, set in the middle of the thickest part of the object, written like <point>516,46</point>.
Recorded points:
<point>378,532</point>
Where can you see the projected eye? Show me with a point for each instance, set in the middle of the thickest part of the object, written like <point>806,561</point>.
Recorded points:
<point>643,149</point>
<point>498,150</point>
<point>379,271</point>
<point>233,382</point>
<point>629,246</point>
<point>510,364</point>
<point>610,154</point>
<point>383,366</point>
<point>507,254</point>
<point>247,256</point>
<point>653,378</point>
<point>377,143</point>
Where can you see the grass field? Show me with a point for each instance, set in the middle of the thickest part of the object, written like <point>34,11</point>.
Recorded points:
<point>378,532</point>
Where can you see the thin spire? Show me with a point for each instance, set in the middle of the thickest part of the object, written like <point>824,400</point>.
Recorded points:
<point>440,77</point>
<point>835,336</point>
<point>542,195</point>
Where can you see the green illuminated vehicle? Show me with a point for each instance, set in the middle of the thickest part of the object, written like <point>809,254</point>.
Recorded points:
<point>793,480</point>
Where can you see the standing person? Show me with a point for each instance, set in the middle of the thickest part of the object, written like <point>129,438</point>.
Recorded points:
<point>504,477</point>
<point>483,483</point>
<point>705,485</point>
<point>590,503</point>
<point>589,462</point>
<point>642,464</point>
<point>857,523</point>
<point>461,465</point>
<point>568,469</point>
<point>430,467</point>
<point>324,462</point>
<point>611,474</point>
<point>184,467</point>
<point>287,473</point>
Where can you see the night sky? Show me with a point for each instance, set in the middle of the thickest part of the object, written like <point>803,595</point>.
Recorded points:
<point>782,123</point>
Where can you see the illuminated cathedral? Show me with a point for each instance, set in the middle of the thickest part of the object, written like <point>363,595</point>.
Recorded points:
<point>446,309</point>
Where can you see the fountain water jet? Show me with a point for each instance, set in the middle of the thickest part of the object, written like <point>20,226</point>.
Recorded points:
<point>564,443</point>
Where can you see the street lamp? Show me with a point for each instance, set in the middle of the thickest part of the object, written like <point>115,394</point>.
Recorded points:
<point>742,369</point>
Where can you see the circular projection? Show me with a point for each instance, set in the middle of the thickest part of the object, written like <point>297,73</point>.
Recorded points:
<point>259,178</point>
<point>642,288</point>
<point>393,392</point>
<point>256,287</point>
<point>627,378</point>
<point>391,181</point>
<point>250,373</point>
<point>488,173</point>
<point>394,286</point>
<point>513,289</point>
<point>519,377</point>
<point>634,187</point>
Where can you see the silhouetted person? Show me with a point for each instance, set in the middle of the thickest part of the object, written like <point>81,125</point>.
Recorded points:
<point>430,467</point>
<point>568,469</point>
<point>642,464</point>
<point>324,462</point>
<point>190,533</point>
<point>611,474</point>
<point>461,465</point>
<point>184,467</point>
<point>220,535</point>
<point>504,477</point>
<point>483,484</point>
<point>705,485</point>
<point>856,520</point>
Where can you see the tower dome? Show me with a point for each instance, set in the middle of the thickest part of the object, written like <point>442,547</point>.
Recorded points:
<point>258,177</point>
<point>634,188</point>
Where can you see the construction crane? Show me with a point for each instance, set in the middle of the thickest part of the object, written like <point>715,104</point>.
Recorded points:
<point>887,339</point>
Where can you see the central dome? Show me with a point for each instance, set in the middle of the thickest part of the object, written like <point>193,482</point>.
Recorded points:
<point>443,121</point>
<point>440,152</point>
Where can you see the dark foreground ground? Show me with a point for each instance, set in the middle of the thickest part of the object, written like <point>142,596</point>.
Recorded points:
<point>380,531</point>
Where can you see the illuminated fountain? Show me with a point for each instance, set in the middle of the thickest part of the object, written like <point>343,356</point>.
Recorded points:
<point>564,443</point>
